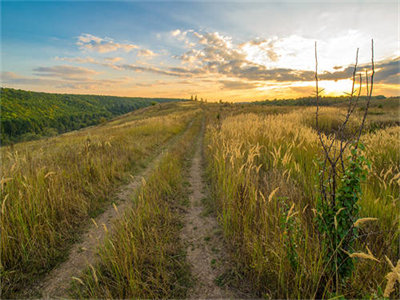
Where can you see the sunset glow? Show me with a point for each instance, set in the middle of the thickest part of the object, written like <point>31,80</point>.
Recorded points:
<point>236,51</point>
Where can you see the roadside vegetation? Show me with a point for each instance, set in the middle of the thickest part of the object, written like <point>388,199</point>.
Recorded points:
<point>144,257</point>
<point>263,173</point>
<point>29,115</point>
<point>50,188</point>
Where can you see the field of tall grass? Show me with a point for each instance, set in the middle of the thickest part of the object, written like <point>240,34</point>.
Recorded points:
<point>49,188</point>
<point>262,170</point>
<point>144,257</point>
<point>263,174</point>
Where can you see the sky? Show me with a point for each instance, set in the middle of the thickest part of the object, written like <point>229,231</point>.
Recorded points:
<point>229,50</point>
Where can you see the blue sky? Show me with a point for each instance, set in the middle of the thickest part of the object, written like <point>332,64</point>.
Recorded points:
<point>229,49</point>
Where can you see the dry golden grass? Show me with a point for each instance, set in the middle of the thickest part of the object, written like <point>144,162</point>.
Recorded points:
<point>253,157</point>
<point>262,169</point>
<point>50,187</point>
<point>392,277</point>
<point>144,257</point>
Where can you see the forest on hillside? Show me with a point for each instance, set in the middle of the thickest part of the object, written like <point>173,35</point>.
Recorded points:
<point>29,115</point>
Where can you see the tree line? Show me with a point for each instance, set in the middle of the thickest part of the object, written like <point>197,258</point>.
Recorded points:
<point>310,101</point>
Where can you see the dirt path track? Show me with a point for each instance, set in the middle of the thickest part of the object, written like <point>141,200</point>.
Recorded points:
<point>57,282</point>
<point>201,234</point>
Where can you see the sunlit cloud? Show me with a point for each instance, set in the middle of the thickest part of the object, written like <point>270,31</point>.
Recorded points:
<point>237,50</point>
<point>102,45</point>
<point>255,65</point>
<point>258,64</point>
<point>260,51</point>
<point>146,53</point>
<point>176,33</point>
<point>213,63</point>
<point>113,59</point>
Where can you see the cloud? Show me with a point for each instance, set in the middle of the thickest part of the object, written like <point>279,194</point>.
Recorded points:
<point>259,59</point>
<point>14,78</point>
<point>260,50</point>
<point>8,75</point>
<point>217,54</point>
<point>65,72</point>
<point>238,85</point>
<point>105,45</point>
<point>76,59</point>
<point>113,59</point>
<point>83,83</point>
<point>151,69</point>
<point>89,84</point>
<point>107,62</point>
<point>214,55</point>
<point>163,83</point>
<point>146,53</point>
<point>102,45</point>
<point>388,72</point>
<point>182,36</point>
<point>337,75</point>
<point>176,32</point>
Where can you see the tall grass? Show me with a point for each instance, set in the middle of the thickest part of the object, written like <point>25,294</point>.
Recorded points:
<point>263,175</point>
<point>49,188</point>
<point>144,258</point>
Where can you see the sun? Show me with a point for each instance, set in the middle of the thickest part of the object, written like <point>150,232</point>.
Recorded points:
<point>336,88</point>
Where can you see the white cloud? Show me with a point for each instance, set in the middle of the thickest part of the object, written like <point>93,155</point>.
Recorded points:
<point>146,53</point>
<point>102,45</point>
<point>176,32</point>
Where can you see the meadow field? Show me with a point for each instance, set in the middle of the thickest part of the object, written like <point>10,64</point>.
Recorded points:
<point>227,149</point>
<point>259,168</point>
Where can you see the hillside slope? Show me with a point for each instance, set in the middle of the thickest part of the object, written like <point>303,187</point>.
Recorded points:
<point>29,115</point>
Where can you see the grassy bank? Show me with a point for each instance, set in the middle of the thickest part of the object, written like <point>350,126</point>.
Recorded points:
<point>144,257</point>
<point>263,175</point>
<point>50,188</point>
